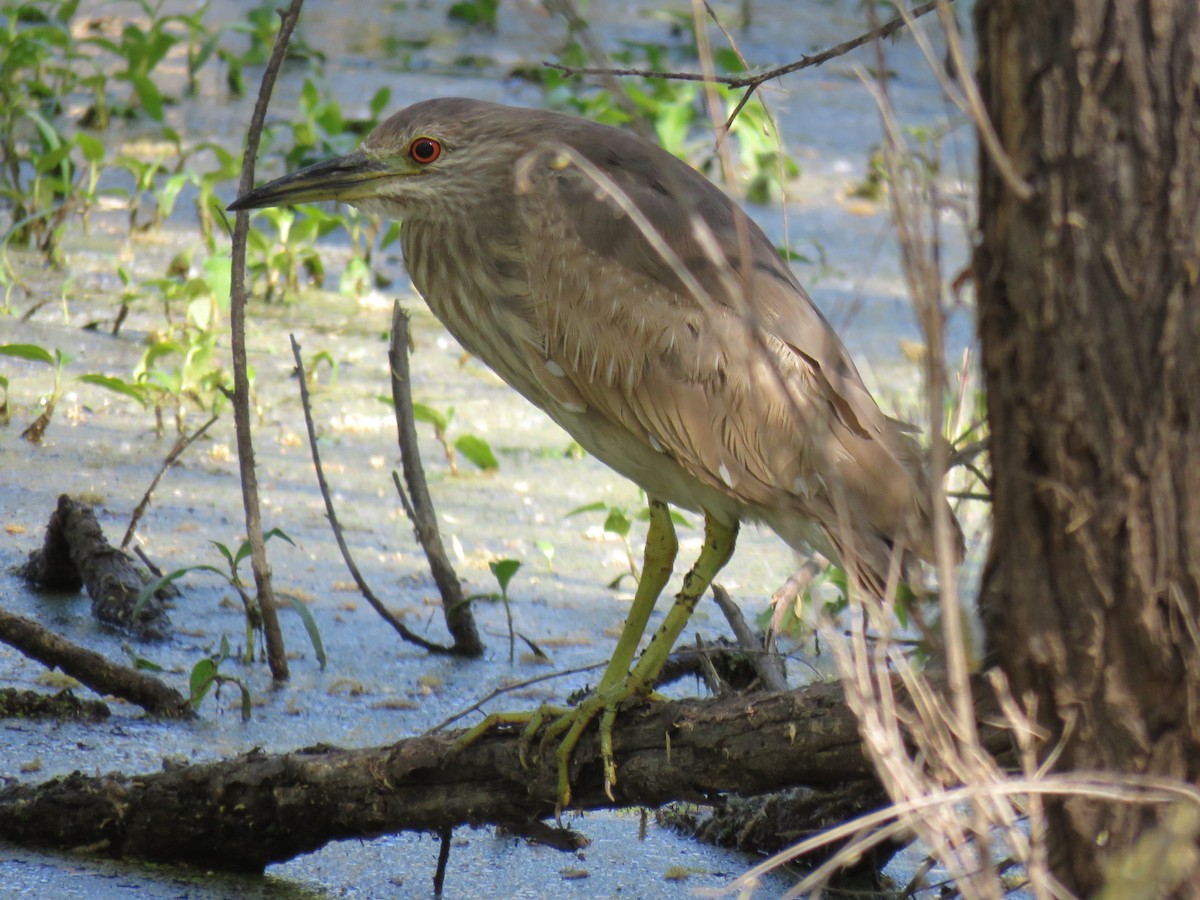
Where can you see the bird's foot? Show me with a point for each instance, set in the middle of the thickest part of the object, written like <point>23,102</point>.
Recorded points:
<point>570,725</point>
<point>530,722</point>
<point>567,725</point>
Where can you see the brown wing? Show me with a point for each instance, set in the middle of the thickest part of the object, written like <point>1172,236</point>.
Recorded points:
<point>723,365</point>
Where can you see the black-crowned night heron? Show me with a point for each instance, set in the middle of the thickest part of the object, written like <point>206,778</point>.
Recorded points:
<point>633,302</point>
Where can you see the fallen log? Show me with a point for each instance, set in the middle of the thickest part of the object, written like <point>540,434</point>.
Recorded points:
<point>256,809</point>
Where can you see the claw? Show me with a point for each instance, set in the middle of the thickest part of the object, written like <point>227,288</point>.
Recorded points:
<point>606,751</point>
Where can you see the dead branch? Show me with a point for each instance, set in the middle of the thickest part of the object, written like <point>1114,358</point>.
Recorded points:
<point>276,653</point>
<point>181,445</point>
<point>419,505</point>
<point>753,82</point>
<point>767,663</point>
<point>94,670</point>
<point>365,589</point>
<point>256,809</point>
<point>76,554</point>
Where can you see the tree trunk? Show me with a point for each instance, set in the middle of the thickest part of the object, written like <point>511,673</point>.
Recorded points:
<point>1089,318</point>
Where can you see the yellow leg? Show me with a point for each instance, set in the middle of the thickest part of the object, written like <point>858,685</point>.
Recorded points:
<point>620,681</point>
<point>616,686</point>
<point>658,563</point>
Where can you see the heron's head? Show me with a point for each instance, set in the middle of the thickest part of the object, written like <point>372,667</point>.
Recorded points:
<point>428,157</point>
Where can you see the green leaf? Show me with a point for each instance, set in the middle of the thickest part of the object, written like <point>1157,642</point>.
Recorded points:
<point>391,235</point>
<point>140,662</point>
<point>200,312</point>
<point>504,570</point>
<point>325,356</point>
<point>314,634</point>
<point>478,451</point>
<point>356,278</point>
<point>31,352</point>
<point>154,587</point>
<point>475,12</point>
<point>617,522</point>
<point>169,192</point>
<point>218,274</point>
<point>836,576</point>
<point>380,101</point>
<point>201,680</point>
<point>157,351</point>
<point>905,600</point>
<point>224,551</point>
<point>429,415</point>
<point>148,94</point>
<point>118,386</point>
<point>50,134</point>
<point>728,60</point>
<point>597,506</point>
<point>52,159</point>
<point>278,533</point>
<point>244,548</point>
<point>92,147</point>
<point>247,705</point>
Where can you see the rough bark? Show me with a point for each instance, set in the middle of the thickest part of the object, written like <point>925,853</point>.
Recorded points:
<point>244,813</point>
<point>75,553</point>
<point>1089,316</point>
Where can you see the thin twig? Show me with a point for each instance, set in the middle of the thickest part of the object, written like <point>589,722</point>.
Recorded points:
<point>181,445</point>
<point>723,131</point>
<point>276,653</point>
<point>419,505</point>
<point>578,26</point>
<point>376,604</point>
<point>439,876</point>
<point>479,704</point>
<point>753,82</point>
<point>972,103</point>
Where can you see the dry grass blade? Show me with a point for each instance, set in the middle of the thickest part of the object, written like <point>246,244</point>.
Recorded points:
<point>1111,786</point>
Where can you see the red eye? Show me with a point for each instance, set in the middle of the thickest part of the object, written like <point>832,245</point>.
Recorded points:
<point>424,150</point>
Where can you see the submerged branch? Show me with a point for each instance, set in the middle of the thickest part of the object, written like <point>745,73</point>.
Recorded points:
<point>94,670</point>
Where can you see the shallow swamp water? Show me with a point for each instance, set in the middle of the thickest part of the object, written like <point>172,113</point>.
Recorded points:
<point>376,689</point>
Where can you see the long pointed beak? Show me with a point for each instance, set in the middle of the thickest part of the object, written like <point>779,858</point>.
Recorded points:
<point>348,177</point>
